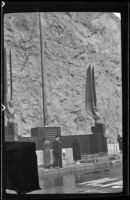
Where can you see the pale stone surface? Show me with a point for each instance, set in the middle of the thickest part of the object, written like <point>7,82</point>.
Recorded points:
<point>67,156</point>
<point>113,148</point>
<point>40,157</point>
<point>40,160</point>
<point>71,41</point>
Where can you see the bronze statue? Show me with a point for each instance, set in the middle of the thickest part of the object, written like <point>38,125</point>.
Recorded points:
<point>99,130</point>
<point>90,96</point>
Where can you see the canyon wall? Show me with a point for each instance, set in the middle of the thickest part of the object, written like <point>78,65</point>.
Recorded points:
<point>71,41</point>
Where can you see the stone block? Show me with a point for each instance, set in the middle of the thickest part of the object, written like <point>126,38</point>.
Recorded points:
<point>40,160</point>
<point>113,148</point>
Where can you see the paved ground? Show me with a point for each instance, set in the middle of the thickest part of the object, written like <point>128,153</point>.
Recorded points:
<point>109,181</point>
<point>106,181</point>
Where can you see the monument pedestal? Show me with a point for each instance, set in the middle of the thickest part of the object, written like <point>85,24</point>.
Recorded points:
<point>100,141</point>
<point>11,132</point>
<point>43,133</point>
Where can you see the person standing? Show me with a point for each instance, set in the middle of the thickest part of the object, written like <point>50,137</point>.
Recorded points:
<point>120,142</point>
<point>57,152</point>
<point>46,153</point>
<point>76,150</point>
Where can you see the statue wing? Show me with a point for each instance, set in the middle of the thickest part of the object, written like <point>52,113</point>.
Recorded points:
<point>94,88</point>
<point>90,93</point>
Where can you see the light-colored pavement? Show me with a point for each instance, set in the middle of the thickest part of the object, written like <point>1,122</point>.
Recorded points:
<point>80,180</point>
<point>109,181</point>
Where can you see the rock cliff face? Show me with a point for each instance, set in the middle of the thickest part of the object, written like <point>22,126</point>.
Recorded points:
<point>70,42</point>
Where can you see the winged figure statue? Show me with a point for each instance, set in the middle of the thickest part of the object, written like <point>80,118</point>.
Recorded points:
<point>90,96</point>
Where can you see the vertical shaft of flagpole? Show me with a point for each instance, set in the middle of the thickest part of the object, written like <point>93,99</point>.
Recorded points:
<point>11,84</point>
<point>42,68</point>
<point>5,79</point>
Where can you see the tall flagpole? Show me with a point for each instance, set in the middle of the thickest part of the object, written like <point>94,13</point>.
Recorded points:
<point>42,69</point>
<point>11,84</point>
<point>5,79</point>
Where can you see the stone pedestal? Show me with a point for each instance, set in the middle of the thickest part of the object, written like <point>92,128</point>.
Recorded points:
<point>11,132</point>
<point>67,156</point>
<point>43,133</point>
<point>99,142</point>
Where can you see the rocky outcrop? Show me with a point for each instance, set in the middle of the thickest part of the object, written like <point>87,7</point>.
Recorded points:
<point>71,42</point>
